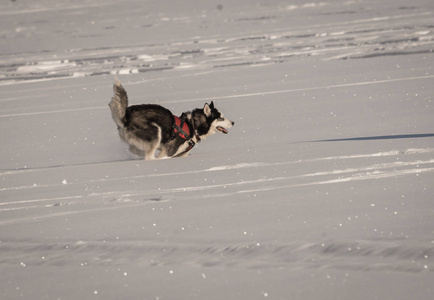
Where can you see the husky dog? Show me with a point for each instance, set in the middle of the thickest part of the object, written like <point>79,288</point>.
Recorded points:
<point>150,127</point>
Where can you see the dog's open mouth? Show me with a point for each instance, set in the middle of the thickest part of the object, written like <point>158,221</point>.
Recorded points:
<point>222,130</point>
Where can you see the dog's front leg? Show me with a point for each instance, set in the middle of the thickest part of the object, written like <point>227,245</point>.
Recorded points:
<point>182,150</point>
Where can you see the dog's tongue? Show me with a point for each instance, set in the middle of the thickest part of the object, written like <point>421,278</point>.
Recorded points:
<point>222,130</point>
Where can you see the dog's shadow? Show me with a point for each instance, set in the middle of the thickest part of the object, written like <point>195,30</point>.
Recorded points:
<point>380,137</point>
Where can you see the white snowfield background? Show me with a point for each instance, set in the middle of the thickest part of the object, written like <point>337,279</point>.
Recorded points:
<point>323,189</point>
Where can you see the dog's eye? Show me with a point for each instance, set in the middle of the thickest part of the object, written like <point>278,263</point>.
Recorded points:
<point>220,119</point>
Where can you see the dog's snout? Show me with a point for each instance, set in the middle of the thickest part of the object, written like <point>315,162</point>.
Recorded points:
<point>233,123</point>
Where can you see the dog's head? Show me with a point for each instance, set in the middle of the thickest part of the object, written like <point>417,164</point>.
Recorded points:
<point>210,120</point>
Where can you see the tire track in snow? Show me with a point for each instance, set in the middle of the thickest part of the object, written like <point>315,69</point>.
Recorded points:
<point>35,218</point>
<point>336,176</point>
<point>411,151</point>
<point>35,201</point>
<point>357,177</point>
<point>357,38</point>
<point>409,256</point>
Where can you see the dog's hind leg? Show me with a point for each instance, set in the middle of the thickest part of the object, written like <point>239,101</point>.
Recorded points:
<point>144,138</point>
<point>150,151</point>
<point>151,145</point>
<point>136,151</point>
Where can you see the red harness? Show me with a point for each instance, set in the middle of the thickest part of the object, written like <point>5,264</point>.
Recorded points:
<point>183,130</point>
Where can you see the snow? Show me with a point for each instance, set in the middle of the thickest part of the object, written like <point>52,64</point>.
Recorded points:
<point>322,189</point>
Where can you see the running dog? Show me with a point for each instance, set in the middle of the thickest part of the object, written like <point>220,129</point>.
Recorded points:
<point>150,127</point>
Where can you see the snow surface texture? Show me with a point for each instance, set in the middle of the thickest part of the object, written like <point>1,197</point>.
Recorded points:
<point>323,189</point>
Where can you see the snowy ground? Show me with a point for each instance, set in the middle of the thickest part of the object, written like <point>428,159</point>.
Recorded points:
<point>323,189</point>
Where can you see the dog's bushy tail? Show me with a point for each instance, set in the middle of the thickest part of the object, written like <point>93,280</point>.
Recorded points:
<point>119,103</point>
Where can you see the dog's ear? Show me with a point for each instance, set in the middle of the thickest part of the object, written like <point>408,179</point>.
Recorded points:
<point>212,105</point>
<point>207,109</point>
